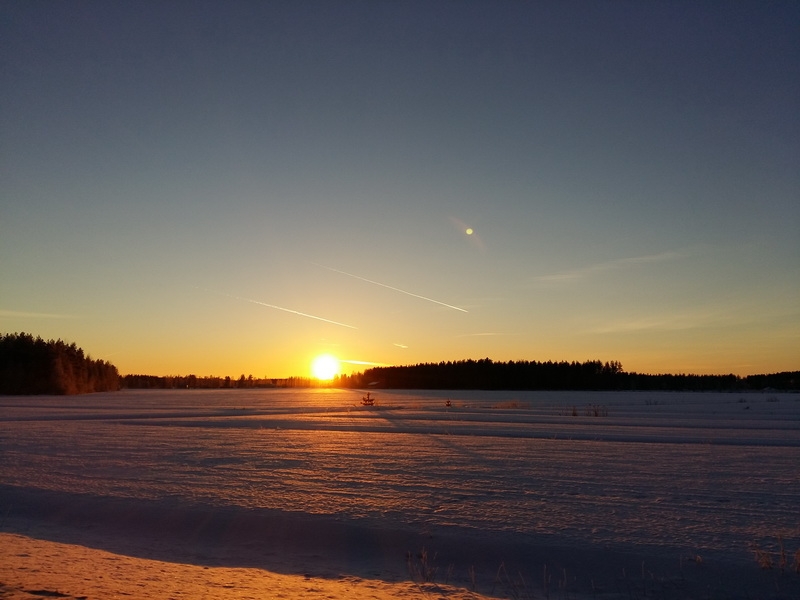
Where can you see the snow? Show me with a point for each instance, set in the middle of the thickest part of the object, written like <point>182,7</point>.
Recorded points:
<point>505,494</point>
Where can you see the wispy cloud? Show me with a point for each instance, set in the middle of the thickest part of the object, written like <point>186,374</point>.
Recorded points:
<point>699,318</point>
<point>484,334</point>
<point>403,346</point>
<point>604,267</point>
<point>364,362</point>
<point>21,314</point>
<point>288,310</point>
<point>389,287</point>
<point>672,322</point>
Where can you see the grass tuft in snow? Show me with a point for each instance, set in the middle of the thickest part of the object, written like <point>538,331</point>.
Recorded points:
<point>514,587</point>
<point>421,567</point>
<point>765,560</point>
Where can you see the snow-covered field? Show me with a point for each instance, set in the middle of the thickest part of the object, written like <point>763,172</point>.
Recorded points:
<point>305,493</point>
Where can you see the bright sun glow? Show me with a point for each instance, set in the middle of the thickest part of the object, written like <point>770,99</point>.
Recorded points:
<point>325,367</point>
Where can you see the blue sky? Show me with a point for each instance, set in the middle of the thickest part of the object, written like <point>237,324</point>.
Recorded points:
<point>225,188</point>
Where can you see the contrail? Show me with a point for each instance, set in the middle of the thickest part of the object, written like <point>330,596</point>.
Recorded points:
<point>364,362</point>
<point>289,310</point>
<point>392,288</point>
<point>611,265</point>
<point>486,334</point>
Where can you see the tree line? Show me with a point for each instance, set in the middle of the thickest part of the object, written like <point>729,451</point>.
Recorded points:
<point>213,382</point>
<point>170,382</point>
<point>485,374</point>
<point>31,365</point>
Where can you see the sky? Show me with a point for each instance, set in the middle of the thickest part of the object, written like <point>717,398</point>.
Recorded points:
<point>225,188</point>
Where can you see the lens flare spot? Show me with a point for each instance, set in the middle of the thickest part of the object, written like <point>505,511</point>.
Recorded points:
<point>469,231</point>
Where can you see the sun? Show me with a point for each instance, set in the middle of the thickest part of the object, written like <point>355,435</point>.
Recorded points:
<point>325,367</point>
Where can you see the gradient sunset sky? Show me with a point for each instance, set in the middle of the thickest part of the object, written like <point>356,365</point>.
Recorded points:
<point>236,187</point>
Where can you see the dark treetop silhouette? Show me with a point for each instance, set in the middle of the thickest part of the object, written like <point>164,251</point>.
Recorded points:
<point>31,365</point>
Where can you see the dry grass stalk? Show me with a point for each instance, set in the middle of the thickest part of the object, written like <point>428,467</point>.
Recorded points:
<point>420,567</point>
<point>763,558</point>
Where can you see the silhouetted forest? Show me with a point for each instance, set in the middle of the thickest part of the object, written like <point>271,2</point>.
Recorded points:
<point>212,382</point>
<point>485,374</point>
<point>31,365</point>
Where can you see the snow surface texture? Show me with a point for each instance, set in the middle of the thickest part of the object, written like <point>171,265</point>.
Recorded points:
<point>515,494</point>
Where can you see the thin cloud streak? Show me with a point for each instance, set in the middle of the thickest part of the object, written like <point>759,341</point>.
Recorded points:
<point>679,322</point>
<point>289,310</point>
<point>701,318</point>
<point>486,334</point>
<point>389,287</point>
<point>364,362</point>
<point>612,265</point>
